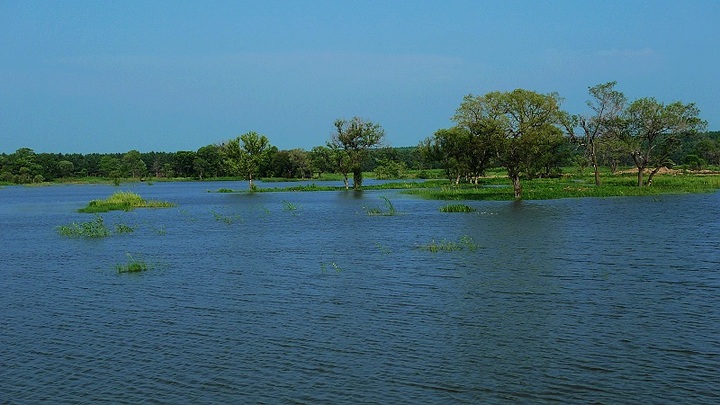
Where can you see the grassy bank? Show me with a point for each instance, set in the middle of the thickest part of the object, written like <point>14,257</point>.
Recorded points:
<point>498,188</point>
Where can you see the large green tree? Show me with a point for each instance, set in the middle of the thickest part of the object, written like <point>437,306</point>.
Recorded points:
<point>354,138</point>
<point>245,154</point>
<point>521,125</point>
<point>653,130</point>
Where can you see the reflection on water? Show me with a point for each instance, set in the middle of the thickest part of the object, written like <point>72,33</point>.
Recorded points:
<point>583,300</point>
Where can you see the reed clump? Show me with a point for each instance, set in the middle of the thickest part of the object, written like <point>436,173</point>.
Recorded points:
<point>90,229</point>
<point>123,201</point>
<point>132,266</point>
<point>457,208</point>
<point>388,210</point>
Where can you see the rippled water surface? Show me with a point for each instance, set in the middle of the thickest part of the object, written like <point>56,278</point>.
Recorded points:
<point>304,298</point>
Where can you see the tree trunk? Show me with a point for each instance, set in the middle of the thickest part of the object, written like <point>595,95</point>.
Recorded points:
<point>593,158</point>
<point>517,187</point>
<point>640,176</point>
<point>357,179</point>
<point>653,173</point>
<point>345,179</point>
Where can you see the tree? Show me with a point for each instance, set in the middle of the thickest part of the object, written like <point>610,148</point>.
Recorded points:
<point>451,146</point>
<point>354,137</point>
<point>109,166</point>
<point>652,132</point>
<point>207,162</point>
<point>320,160</point>
<point>245,154</point>
<point>66,168</point>
<point>607,105</point>
<point>133,164</point>
<point>521,125</point>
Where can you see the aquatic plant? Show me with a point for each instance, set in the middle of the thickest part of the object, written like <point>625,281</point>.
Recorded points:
<point>464,243</point>
<point>457,208</point>
<point>383,249</point>
<point>123,201</point>
<point>160,230</point>
<point>324,266</point>
<point>90,229</point>
<point>228,219</point>
<point>388,210</point>
<point>288,206</point>
<point>132,266</point>
<point>122,228</point>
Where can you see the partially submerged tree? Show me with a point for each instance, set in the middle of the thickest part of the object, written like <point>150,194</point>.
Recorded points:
<point>245,154</point>
<point>651,130</point>
<point>354,137</point>
<point>521,125</point>
<point>607,105</point>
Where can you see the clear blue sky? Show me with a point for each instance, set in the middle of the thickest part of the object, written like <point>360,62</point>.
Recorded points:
<point>111,76</point>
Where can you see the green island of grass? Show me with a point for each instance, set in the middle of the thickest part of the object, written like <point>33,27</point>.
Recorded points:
<point>123,201</point>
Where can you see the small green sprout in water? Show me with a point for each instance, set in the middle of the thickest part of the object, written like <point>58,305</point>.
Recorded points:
<point>160,230</point>
<point>288,206</point>
<point>383,249</point>
<point>132,266</point>
<point>228,219</point>
<point>324,266</point>
<point>389,209</point>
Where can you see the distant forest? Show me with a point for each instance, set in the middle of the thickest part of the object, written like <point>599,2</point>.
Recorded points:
<point>25,166</point>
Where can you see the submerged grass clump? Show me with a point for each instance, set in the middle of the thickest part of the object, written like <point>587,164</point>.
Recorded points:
<point>90,229</point>
<point>132,266</point>
<point>123,201</point>
<point>288,206</point>
<point>464,243</point>
<point>388,210</point>
<point>457,208</point>
<point>324,266</point>
<point>228,219</point>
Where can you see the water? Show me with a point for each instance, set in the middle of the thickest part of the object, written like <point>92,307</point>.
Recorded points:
<point>248,300</point>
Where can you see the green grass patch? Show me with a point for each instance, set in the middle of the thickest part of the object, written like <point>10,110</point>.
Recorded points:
<point>123,201</point>
<point>96,228</point>
<point>90,229</point>
<point>575,186</point>
<point>457,208</point>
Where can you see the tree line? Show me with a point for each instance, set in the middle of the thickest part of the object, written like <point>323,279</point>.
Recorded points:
<point>223,160</point>
<point>529,135</point>
<point>523,131</point>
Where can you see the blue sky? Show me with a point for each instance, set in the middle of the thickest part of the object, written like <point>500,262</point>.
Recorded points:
<point>111,76</point>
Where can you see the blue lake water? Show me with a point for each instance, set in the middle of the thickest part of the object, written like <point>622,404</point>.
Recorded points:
<point>304,298</point>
